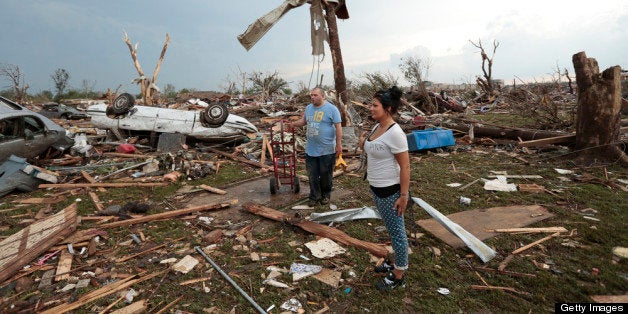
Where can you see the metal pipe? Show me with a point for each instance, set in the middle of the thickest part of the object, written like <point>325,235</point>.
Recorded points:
<point>235,285</point>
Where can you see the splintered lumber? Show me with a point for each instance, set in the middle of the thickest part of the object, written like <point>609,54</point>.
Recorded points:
<point>316,228</point>
<point>64,266</point>
<point>22,247</point>
<point>170,214</point>
<point>135,307</point>
<point>236,158</point>
<point>101,185</point>
<point>99,293</point>
<point>212,189</point>
<point>91,179</point>
<point>531,230</point>
<point>523,248</point>
<point>126,258</point>
<point>505,262</point>
<point>96,201</point>
<point>169,305</point>
<point>563,139</point>
<point>477,287</point>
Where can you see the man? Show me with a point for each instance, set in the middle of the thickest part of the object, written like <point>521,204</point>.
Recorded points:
<point>324,135</point>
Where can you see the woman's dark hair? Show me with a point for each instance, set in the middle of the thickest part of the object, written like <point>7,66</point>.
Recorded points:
<point>390,98</point>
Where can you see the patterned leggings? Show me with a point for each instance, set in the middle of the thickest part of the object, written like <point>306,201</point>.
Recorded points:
<point>396,228</point>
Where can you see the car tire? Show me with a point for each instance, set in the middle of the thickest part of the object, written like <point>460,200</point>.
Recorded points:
<point>122,104</point>
<point>214,115</point>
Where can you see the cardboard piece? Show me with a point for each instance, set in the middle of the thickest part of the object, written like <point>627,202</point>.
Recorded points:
<point>478,221</point>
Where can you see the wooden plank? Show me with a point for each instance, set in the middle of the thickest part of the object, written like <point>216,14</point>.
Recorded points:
<point>40,200</point>
<point>91,179</point>
<point>523,248</point>
<point>64,266</point>
<point>99,293</point>
<point>96,201</point>
<point>22,247</point>
<point>531,230</point>
<point>169,214</point>
<point>236,158</point>
<point>212,189</point>
<point>100,184</point>
<point>315,228</point>
<point>133,308</point>
<point>479,221</point>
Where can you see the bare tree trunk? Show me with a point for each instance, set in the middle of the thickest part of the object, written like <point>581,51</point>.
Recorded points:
<point>340,82</point>
<point>599,102</point>
<point>147,85</point>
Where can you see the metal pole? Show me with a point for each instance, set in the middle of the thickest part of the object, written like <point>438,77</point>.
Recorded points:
<point>235,285</point>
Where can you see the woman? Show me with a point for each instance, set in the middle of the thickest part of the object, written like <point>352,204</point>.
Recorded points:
<point>388,173</point>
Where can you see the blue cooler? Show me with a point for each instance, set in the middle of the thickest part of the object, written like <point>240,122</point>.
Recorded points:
<point>430,138</point>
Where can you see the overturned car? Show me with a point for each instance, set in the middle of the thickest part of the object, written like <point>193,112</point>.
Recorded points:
<point>213,124</point>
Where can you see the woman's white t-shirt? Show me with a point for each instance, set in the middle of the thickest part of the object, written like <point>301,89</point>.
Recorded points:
<point>382,167</point>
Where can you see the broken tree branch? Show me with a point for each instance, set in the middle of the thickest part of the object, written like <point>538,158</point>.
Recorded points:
<point>315,228</point>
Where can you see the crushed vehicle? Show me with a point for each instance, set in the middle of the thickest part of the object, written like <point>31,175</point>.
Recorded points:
<point>61,111</point>
<point>27,134</point>
<point>213,124</point>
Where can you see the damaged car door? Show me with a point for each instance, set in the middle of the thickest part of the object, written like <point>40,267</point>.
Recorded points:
<point>27,134</point>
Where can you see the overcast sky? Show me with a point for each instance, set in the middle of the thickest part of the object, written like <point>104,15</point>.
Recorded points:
<point>86,38</point>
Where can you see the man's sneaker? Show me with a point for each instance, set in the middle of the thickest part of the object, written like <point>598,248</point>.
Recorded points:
<point>390,282</point>
<point>385,267</point>
<point>312,203</point>
<point>324,200</point>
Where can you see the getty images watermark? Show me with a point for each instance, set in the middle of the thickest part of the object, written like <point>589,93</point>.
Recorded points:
<point>590,307</point>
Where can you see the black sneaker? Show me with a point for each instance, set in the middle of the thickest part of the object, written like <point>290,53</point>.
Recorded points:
<point>390,282</point>
<point>324,200</point>
<point>386,266</point>
<point>312,203</point>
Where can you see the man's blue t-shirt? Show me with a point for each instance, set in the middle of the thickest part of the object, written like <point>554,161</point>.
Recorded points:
<point>321,133</point>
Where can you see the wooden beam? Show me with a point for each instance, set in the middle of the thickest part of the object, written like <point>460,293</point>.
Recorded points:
<point>530,230</point>
<point>104,185</point>
<point>212,189</point>
<point>128,257</point>
<point>236,158</point>
<point>315,228</point>
<point>169,214</point>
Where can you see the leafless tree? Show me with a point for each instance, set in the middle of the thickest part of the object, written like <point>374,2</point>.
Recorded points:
<point>60,79</point>
<point>13,74</point>
<point>486,82</point>
<point>148,85</point>
<point>267,84</point>
<point>415,69</point>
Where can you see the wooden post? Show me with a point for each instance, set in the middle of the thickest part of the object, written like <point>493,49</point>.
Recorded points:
<point>599,103</point>
<point>340,82</point>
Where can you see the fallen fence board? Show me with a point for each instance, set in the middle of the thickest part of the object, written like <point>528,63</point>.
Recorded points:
<point>316,228</point>
<point>22,247</point>
<point>169,214</point>
<point>479,221</point>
